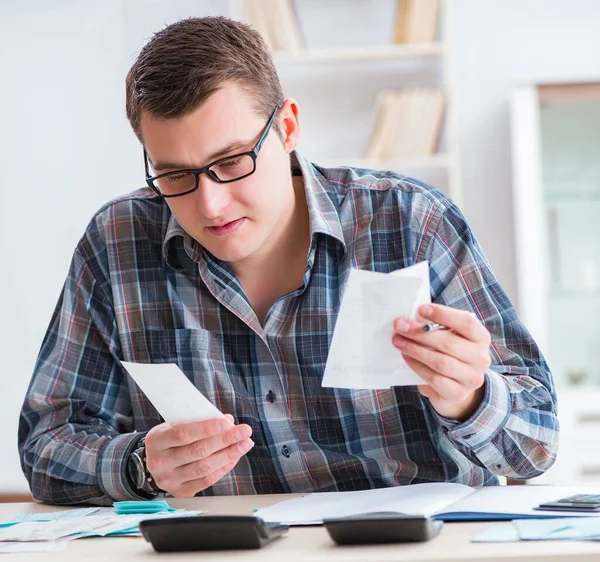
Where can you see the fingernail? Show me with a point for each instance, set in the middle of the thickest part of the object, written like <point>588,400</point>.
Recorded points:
<point>242,432</point>
<point>426,310</point>
<point>245,446</point>
<point>402,326</point>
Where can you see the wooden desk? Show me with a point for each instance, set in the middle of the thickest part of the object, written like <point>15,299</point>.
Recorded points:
<point>308,544</point>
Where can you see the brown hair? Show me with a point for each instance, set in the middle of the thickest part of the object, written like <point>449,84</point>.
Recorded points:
<point>188,61</point>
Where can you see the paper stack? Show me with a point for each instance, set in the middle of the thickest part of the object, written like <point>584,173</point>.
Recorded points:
<point>562,528</point>
<point>45,532</point>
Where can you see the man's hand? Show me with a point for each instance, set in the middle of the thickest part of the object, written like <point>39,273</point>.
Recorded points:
<point>453,362</point>
<point>187,458</point>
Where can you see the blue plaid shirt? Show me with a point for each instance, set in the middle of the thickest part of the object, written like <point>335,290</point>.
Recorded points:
<point>140,289</point>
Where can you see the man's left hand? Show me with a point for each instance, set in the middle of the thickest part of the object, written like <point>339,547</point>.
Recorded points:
<point>452,362</point>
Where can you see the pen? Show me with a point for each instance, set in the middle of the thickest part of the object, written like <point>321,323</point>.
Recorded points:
<point>433,326</point>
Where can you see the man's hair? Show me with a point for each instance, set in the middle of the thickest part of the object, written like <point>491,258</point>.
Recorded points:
<point>188,61</point>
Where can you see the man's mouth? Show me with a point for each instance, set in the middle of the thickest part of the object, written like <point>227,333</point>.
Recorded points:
<point>226,228</point>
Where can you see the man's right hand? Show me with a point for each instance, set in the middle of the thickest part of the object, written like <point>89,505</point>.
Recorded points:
<point>185,459</point>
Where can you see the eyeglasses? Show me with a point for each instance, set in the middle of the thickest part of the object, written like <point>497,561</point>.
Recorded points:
<point>224,170</point>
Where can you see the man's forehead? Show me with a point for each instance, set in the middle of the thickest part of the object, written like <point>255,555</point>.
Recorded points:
<point>222,112</point>
<point>200,137</point>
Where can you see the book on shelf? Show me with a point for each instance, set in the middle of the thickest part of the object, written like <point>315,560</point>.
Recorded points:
<point>416,21</point>
<point>408,124</point>
<point>276,21</point>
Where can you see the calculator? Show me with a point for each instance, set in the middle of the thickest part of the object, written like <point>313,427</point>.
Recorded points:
<point>578,502</point>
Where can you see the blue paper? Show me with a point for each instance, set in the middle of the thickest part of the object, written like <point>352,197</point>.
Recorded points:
<point>128,507</point>
<point>484,516</point>
<point>50,516</point>
<point>556,529</point>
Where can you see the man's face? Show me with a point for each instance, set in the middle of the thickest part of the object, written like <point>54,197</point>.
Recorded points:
<point>233,221</point>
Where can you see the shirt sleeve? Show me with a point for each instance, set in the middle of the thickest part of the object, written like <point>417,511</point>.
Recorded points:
<point>514,432</point>
<point>76,424</point>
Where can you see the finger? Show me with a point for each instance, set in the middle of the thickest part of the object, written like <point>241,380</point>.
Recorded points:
<point>437,362</point>
<point>204,448</point>
<point>182,434</point>
<point>428,392</point>
<point>462,322</point>
<point>206,467</point>
<point>441,387</point>
<point>445,341</point>
<point>190,489</point>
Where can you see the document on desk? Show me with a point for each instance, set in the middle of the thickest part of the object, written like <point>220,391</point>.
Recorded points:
<point>361,354</point>
<point>52,530</point>
<point>561,528</point>
<point>441,500</point>
<point>171,392</point>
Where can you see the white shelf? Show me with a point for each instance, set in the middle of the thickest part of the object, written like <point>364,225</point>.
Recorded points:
<point>376,52</point>
<point>435,162</point>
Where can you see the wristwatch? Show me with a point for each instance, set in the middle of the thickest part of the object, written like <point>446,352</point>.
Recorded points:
<point>138,474</point>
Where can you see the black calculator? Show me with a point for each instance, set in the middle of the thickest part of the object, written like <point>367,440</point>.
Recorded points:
<point>578,502</point>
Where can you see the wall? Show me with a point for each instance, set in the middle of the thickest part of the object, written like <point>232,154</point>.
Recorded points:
<point>66,147</point>
<point>498,43</point>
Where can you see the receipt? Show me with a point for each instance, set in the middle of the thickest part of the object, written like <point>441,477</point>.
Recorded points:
<point>171,392</point>
<point>362,354</point>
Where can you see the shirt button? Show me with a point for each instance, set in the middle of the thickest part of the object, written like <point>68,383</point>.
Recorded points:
<point>271,396</point>
<point>286,452</point>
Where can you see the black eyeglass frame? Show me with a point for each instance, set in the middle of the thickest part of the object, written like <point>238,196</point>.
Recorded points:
<point>207,169</point>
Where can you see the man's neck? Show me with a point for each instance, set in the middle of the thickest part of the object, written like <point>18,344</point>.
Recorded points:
<point>280,269</point>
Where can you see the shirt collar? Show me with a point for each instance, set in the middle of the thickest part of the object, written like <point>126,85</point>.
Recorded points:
<point>323,211</point>
<point>323,215</point>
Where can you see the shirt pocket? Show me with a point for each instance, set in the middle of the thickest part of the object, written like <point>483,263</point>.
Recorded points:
<point>183,346</point>
<point>189,349</point>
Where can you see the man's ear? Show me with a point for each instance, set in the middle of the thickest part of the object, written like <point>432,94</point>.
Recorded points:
<point>289,124</point>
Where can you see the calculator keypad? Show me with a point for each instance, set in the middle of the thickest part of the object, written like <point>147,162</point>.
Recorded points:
<point>582,498</point>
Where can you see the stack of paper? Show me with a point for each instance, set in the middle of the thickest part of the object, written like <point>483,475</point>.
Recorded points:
<point>563,528</point>
<point>43,532</point>
<point>440,500</point>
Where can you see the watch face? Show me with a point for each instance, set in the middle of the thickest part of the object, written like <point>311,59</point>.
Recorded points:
<point>138,476</point>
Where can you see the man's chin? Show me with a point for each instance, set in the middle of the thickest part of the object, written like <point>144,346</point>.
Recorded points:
<point>230,255</point>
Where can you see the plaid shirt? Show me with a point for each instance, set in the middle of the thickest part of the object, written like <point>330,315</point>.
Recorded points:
<point>140,289</point>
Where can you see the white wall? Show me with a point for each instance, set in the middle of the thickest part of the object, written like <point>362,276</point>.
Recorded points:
<point>497,43</point>
<point>66,147</point>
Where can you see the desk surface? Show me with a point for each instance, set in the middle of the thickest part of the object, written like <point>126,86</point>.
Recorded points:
<point>308,543</point>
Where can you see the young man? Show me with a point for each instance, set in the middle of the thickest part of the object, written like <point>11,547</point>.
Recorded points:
<point>232,264</point>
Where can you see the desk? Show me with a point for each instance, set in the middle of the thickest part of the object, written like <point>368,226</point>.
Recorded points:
<point>307,544</point>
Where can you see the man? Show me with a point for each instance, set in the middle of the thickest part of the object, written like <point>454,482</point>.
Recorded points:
<point>232,264</point>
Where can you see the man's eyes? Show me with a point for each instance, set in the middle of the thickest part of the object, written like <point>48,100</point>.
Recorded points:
<point>230,162</point>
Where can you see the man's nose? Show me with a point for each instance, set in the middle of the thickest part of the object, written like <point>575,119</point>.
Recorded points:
<point>214,197</point>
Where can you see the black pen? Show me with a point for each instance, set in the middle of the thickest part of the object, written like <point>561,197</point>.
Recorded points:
<point>433,327</point>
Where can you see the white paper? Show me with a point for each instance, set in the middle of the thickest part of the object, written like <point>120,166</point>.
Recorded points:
<point>172,393</point>
<point>79,527</point>
<point>438,498</point>
<point>362,354</point>
<point>416,499</point>
<point>519,500</point>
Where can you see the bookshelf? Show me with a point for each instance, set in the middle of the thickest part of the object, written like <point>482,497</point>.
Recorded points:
<point>423,65</point>
<point>376,52</point>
